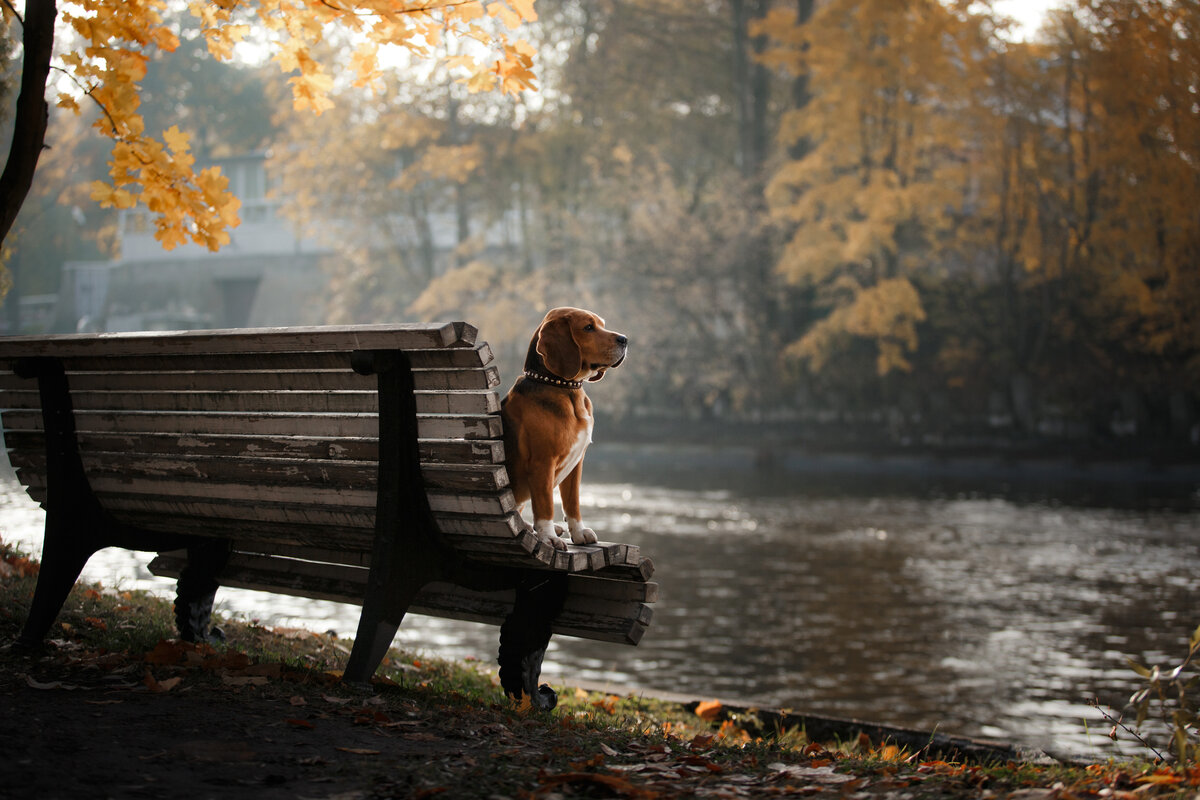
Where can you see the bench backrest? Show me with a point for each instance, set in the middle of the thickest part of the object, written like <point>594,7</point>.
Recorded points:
<point>270,436</point>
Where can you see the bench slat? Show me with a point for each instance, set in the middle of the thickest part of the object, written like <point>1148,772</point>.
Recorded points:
<point>355,426</point>
<point>270,447</point>
<point>276,447</point>
<point>276,401</point>
<point>129,465</point>
<point>588,612</point>
<point>355,541</point>
<point>169,493</point>
<point>257,379</point>
<point>451,358</point>
<point>318,533</point>
<point>244,340</point>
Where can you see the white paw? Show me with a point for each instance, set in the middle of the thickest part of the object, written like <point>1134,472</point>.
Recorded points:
<point>546,534</point>
<point>579,533</point>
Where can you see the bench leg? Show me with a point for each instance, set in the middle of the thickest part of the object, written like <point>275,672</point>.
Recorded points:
<point>63,557</point>
<point>197,588</point>
<point>383,611</point>
<point>371,644</point>
<point>525,635</point>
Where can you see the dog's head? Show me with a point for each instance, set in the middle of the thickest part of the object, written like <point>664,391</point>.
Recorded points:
<point>574,345</point>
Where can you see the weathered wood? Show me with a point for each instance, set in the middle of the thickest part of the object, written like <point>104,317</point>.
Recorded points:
<point>261,379</point>
<point>451,358</point>
<point>433,451</point>
<point>242,340</point>
<point>278,401</point>
<point>271,439</point>
<point>354,426</point>
<point>132,465</point>
<point>601,610</point>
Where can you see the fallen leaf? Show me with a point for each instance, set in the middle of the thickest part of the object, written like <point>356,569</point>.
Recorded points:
<point>155,685</point>
<point>1162,777</point>
<point>824,775</point>
<point>35,684</point>
<point>607,704</point>
<point>595,761</point>
<point>264,670</point>
<point>168,652</point>
<point>243,680</point>
<point>97,623</point>
<point>300,723</point>
<point>709,710</point>
<point>297,700</point>
<point>612,783</point>
<point>358,751</point>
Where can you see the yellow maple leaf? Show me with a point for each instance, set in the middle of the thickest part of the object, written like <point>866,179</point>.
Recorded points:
<point>525,9</point>
<point>177,140</point>
<point>510,18</point>
<point>310,90</point>
<point>364,62</point>
<point>467,12</point>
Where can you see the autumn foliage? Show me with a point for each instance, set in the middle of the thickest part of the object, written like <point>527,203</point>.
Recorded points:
<point>115,39</point>
<point>858,204</point>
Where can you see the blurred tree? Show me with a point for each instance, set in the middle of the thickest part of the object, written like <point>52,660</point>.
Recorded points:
<point>107,62</point>
<point>867,205</point>
<point>222,105</point>
<point>1139,235</point>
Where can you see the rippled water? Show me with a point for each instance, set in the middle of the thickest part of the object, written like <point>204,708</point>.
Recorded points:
<point>978,604</point>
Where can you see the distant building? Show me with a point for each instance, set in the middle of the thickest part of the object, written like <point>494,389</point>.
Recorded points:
<point>268,274</point>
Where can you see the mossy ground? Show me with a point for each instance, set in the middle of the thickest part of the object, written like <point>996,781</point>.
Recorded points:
<point>113,706</point>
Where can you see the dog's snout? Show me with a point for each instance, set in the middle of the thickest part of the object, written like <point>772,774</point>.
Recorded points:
<point>623,340</point>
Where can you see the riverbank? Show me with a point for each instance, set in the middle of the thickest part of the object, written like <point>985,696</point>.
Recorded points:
<point>806,447</point>
<point>1132,479</point>
<point>113,707</point>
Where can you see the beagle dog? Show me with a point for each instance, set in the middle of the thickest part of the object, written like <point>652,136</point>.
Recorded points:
<point>548,418</point>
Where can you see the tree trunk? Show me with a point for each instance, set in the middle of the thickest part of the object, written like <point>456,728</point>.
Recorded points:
<point>801,91</point>
<point>751,88</point>
<point>32,115</point>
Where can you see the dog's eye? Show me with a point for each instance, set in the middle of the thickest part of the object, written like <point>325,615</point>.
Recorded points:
<point>589,327</point>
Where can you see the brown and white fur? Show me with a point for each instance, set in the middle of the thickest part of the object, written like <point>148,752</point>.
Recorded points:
<point>548,418</point>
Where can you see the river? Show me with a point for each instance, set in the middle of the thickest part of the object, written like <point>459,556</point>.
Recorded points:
<point>975,599</point>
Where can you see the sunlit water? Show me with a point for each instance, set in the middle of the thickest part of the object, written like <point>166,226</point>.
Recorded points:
<point>976,602</point>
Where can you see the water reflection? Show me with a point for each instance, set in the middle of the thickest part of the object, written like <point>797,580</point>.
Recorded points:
<point>923,605</point>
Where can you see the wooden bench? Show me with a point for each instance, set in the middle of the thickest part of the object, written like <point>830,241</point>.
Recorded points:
<point>362,464</point>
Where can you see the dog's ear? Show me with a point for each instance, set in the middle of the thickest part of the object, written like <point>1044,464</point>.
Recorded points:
<point>558,350</point>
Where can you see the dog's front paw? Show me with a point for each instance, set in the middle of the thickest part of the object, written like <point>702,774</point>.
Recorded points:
<point>547,534</point>
<point>579,533</point>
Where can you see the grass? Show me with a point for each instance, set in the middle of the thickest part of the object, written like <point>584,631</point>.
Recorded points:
<point>591,745</point>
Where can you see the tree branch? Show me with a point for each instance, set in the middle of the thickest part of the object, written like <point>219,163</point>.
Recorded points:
<point>32,114</point>
<point>8,4</point>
